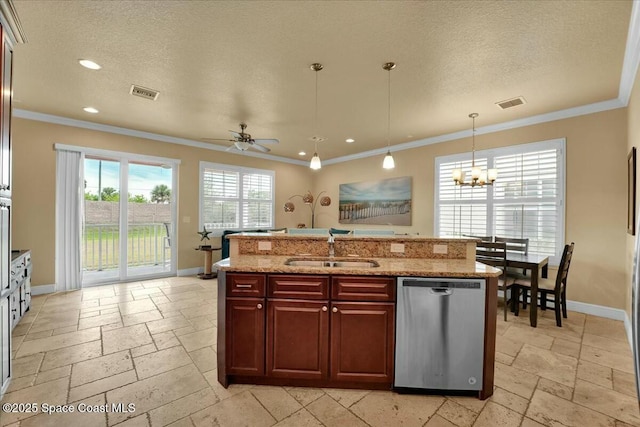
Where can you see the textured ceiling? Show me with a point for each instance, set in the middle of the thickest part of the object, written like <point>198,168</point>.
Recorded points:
<point>219,63</point>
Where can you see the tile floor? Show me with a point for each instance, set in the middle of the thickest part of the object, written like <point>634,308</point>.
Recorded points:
<point>153,344</point>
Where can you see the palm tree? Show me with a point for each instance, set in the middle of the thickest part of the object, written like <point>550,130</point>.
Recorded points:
<point>161,194</point>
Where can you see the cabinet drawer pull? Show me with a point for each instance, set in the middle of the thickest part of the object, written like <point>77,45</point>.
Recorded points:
<point>334,309</point>
<point>243,286</point>
<point>259,306</point>
<point>324,308</point>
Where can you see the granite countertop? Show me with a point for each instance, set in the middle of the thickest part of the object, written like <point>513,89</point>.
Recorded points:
<point>388,267</point>
<point>323,237</point>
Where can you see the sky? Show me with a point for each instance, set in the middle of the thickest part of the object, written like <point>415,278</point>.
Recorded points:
<point>384,189</point>
<point>142,178</point>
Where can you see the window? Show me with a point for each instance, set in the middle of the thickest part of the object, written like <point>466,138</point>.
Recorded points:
<point>526,201</point>
<point>236,198</point>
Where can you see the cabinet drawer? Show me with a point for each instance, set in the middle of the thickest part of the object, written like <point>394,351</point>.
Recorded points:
<point>246,285</point>
<point>363,288</point>
<point>306,287</point>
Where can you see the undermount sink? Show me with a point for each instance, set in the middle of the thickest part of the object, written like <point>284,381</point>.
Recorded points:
<point>326,262</point>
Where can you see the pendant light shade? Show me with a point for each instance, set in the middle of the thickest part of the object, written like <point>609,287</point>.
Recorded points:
<point>315,160</point>
<point>388,162</point>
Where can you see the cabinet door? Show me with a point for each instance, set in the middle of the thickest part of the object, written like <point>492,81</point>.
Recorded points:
<point>5,343</point>
<point>14,307</point>
<point>5,120</point>
<point>297,339</point>
<point>362,342</point>
<point>245,336</point>
<point>5,243</point>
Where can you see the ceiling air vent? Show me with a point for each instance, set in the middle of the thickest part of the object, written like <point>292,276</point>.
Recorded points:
<point>514,102</point>
<point>144,92</point>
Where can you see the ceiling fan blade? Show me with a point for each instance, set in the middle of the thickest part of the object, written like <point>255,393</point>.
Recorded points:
<point>231,147</point>
<point>235,134</point>
<point>266,141</point>
<point>260,148</point>
<point>217,139</point>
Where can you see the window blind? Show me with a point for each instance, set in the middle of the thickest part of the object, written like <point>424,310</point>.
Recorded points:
<point>526,201</point>
<point>236,198</point>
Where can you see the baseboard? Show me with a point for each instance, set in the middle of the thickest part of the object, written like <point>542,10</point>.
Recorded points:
<point>190,271</point>
<point>596,310</point>
<point>43,289</point>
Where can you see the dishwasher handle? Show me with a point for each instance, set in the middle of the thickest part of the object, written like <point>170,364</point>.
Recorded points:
<point>441,292</point>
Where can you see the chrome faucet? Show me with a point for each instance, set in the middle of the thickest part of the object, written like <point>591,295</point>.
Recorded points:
<point>331,242</point>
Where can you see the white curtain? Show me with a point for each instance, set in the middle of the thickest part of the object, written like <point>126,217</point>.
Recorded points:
<point>69,217</point>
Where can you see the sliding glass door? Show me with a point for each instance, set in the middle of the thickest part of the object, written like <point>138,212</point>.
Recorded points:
<point>129,218</point>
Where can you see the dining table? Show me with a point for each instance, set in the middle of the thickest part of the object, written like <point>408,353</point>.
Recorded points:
<point>538,264</point>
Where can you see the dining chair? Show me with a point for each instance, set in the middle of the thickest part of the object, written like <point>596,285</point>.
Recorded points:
<point>551,288</point>
<point>495,255</point>
<point>519,246</point>
<point>482,238</point>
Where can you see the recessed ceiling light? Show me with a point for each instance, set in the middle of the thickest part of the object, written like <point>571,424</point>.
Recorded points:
<point>90,110</point>
<point>89,64</point>
<point>349,140</point>
<point>302,153</point>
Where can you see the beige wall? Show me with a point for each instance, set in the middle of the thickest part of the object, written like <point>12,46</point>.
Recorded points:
<point>33,196</point>
<point>595,194</point>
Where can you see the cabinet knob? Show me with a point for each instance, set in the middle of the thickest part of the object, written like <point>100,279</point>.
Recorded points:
<point>259,306</point>
<point>334,309</point>
<point>324,308</point>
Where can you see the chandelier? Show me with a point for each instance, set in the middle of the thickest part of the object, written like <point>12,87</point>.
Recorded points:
<point>479,177</point>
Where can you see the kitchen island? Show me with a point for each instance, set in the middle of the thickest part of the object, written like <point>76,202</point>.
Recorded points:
<point>289,314</point>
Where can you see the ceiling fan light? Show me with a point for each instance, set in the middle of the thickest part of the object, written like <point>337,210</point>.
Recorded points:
<point>388,162</point>
<point>315,162</point>
<point>242,145</point>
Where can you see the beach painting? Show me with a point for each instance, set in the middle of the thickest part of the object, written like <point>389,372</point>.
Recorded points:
<point>385,202</point>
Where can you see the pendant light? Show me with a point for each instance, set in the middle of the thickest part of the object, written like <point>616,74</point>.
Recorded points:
<point>315,160</point>
<point>388,162</point>
<point>478,176</point>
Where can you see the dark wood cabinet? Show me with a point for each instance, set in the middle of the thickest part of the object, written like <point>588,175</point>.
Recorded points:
<point>245,323</point>
<point>298,339</point>
<point>362,342</point>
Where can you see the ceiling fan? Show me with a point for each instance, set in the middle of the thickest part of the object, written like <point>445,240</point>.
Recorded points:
<point>242,141</point>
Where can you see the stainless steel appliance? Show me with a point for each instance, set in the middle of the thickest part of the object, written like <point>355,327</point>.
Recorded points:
<point>440,333</point>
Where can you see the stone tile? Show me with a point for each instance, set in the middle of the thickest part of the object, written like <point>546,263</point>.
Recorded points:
<point>100,367</point>
<point>221,392</point>
<point>472,403</point>
<point>547,364</point>
<point>457,414</point>
<point>624,383</point>
<point>496,415</point>
<point>65,330</point>
<point>510,400</point>
<point>93,419</point>
<point>551,411</point>
<point>58,341</point>
<point>27,365</point>
<point>331,413</point>
<point>240,410</point>
<point>116,299</point>
<point>199,311</point>
<point>505,359</point>
<point>607,328</point>
<point>204,358</point>
<point>125,338</point>
<point>199,339</point>
<point>183,407</point>
<point>145,292</point>
<point>97,292</point>
<point>568,348</point>
<point>305,395</point>
<point>70,355</point>
<point>515,380</point>
<point>92,322</point>
<point>53,392</point>
<point>621,362</point>
<point>170,324</point>
<point>528,422</point>
<point>111,326</point>
<point>103,385</point>
<point>20,330</point>
<point>161,361</point>
<point>156,391</point>
<point>555,388</point>
<point>528,335</point>
<point>606,401</point>
<point>159,299</point>
<point>145,316</point>
<point>165,340</point>
<point>302,418</point>
<point>53,374</point>
<point>276,400</point>
<point>594,373</point>
<point>142,350</point>
<point>508,346</point>
<point>605,343</point>
<point>438,421</point>
<point>346,397</point>
<point>202,322</point>
<point>37,335</point>
<point>137,306</point>
<point>20,383</point>
<point>140,421</point>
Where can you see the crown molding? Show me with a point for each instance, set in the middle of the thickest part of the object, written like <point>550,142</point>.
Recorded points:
<point>631,56</point>
<point>11,21</point>
<point>49,118</point>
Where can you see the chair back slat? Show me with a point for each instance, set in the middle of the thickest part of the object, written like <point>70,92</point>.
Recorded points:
<point>482,238</point>
<point>563,268</point>
<point>514,244</point>
<point>493,254</point>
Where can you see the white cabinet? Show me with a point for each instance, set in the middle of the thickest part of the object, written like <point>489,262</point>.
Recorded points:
<point>20,296</point>
<point>5,340</point>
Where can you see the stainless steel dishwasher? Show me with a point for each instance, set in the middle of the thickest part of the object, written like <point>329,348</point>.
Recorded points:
<point>439,333</point>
